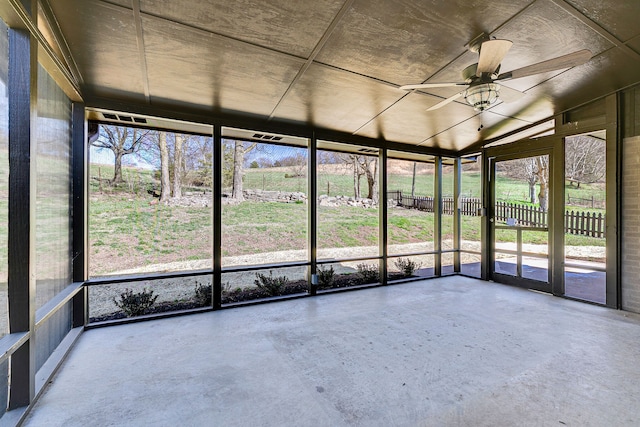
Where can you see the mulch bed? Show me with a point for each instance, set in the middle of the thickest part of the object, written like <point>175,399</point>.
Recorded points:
<point>249,294</point>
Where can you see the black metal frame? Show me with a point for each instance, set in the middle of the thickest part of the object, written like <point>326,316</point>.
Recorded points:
<point>22,193</point>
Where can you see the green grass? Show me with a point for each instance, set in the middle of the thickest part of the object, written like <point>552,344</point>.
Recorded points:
<point>128,229</point>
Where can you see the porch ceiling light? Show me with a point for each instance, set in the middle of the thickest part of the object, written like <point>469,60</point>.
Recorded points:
<point>482,95</point>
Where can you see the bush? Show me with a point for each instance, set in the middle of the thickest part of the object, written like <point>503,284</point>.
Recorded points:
<point>203,294</point>
<point>135,303</point>
<point>273,286</point>
<point>369,273</point>
<point>406,266</point>
<point>226,287</point>
<point>326,277</point>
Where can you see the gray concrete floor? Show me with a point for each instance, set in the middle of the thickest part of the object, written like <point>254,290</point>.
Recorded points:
<point>448,352</point>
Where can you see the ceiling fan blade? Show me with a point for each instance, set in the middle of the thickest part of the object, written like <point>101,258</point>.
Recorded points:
<point>566,61</point>
<point>492,52</point>
<point>431,85</point>
<point>508,94</point>
<point>445,102</point>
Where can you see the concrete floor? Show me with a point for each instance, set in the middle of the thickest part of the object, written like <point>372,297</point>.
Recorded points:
<point>448,352</point>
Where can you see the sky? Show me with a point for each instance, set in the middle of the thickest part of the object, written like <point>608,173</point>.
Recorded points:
<point>104,156</point>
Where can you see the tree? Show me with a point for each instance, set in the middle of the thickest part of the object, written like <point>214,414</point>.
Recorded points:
<point>542,173</point>
<point>165,184</point>
<point>585,159</point>
<point>198,158</point>
<point>413,180</point>
<point>240,149</point>
<point>531,176</point>
<point>370,166</point>
<point>298,164</point>
<point>121,141</point>
<point>178,165</point>
<point>366,166</point>
<point>534,170</point>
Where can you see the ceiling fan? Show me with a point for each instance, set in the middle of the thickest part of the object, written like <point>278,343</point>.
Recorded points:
<point>481,84</point>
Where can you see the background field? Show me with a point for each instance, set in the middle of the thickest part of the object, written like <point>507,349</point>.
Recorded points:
<point>129,229</point>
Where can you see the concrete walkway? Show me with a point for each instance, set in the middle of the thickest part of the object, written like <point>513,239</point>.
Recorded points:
<point>448,352</point>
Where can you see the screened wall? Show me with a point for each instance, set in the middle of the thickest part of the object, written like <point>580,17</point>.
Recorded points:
<point>370,221</point>
<point>36,220</point>
<point>53,209</point>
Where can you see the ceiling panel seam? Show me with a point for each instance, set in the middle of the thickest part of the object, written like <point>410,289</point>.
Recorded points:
<point>442,69</point>
<point>515,16</point>
<point>314,53</point>
<point>214,34</point>
<point>596,27</point>
<point>224,37</point>
<point>228,38</point>
<point>141,50</point>
<point>470,118</point>
<point>478,145</point>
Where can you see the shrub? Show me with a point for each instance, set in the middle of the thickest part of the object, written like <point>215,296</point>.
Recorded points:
<point>326,277</point>
<point>369,273</point>
<point>226,287</point>
<point>273,286</point>
<point>203,294</point>
<point>135,303</point>
<point>406,266</point>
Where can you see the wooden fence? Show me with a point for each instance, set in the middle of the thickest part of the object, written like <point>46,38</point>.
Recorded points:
<point>585,223</point>
<point>590,224</point>
<point>591,202</point>
<point>528,216</point>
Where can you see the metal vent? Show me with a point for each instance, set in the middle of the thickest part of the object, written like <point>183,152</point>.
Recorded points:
<point>124,118</point>
<point>368,150</point>
<point>267,137</point>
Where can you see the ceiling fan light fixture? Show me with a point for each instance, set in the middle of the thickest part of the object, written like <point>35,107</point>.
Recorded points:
<point>482,96</point>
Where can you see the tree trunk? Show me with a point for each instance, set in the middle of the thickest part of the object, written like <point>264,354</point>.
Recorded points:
<point>177,167</point>
<point>532,191</point>
<point>543,179</point>
<point>238,161</point>
<point>117,169</point>
<point>372,180</point>
<point>165,183</point>
<point>413,180</point>
<point>356,181</point>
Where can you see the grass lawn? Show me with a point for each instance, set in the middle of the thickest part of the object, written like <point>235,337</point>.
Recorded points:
<point>128,228</point>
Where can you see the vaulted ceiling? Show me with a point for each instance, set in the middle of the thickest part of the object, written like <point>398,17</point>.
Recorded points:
<point>337,64</point>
